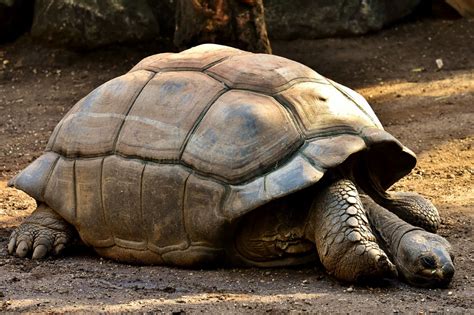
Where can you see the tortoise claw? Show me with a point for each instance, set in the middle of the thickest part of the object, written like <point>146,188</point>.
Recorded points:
<point>43,233</point>
<point>40,252</point>
<point>22,249</point>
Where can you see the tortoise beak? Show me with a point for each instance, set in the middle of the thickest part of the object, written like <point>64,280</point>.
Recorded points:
<point>445,274</point>
<point>447,271</point>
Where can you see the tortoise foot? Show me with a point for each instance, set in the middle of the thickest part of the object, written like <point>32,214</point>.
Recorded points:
<point>346,245</point>
<point>41,234</point>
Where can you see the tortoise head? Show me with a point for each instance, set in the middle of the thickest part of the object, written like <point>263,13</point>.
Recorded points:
<point>424,259</point>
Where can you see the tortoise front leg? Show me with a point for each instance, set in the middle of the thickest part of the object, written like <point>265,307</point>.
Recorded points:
<point>42,233</point>
<point>344,240</point>
<point>412,208</point>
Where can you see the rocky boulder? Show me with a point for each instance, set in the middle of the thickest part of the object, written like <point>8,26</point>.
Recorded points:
<point>164,12</point>
<point>15,18</point>
<point>326,18</point>
<point>94,23</point>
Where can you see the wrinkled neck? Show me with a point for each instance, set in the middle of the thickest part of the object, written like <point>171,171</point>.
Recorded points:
<point>389,227</point>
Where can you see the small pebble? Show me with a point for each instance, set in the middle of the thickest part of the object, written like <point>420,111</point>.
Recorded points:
<point>450,293</point>
<point>350,289</point>
<point>439,63</point>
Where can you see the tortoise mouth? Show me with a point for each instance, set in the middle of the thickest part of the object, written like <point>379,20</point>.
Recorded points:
<point>429,278</point>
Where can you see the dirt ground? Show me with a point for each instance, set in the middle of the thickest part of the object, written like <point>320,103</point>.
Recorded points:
<point>431,110</point>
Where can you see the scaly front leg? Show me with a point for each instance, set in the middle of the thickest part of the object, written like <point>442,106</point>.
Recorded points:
<point>42,233</point>
<point>344,240</point>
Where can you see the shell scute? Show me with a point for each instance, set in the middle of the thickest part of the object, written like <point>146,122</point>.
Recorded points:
<point>90,216</point>
<point>164,113</point>
<point>262,73</point>
<point>162,201</point>
<point>195,58</point>
<point>242,133</point>
<point>92,125</point>
<point>321,108</point>
<point>121,190</point>
<point>202,204</point>
<point>60,192</point>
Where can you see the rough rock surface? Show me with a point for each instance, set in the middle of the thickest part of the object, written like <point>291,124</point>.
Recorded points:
<point>164,12</point>
<point>93,23</point>
<point>324,18</point>
<point>237,23</point>
<point>15,18</point>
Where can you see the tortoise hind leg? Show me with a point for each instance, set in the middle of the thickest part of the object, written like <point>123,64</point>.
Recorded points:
<point>42,233</point>
<point>344,240</point>
<point>274,234</point>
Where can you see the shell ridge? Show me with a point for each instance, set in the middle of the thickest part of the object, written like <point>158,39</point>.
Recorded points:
<point>104,216</point>
<point>355,103</point>
<point>211,64</point>
<point>188,167</point>
<point>183,211</point>
<point>56,135</point>
<point>268,92</point>
<point>330,132</point>
<point>95,115</point>
<point>160,250</point>
<point>217,77</point>
<point>145,235</point>
<point>128,244</point>
<point>43,190</point>
<point>198,122</point>
<point>335,131</point>
<point>264,186</point>
<point>218,210</point>
<point>74,185</point>
<point>288,108</point>
<point>311,161</point>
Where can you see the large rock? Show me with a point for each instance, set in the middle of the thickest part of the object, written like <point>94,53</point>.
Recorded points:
<point>164,12</point>
<point>93,23</point>
<point>15,18</point>
<point>325,18</point>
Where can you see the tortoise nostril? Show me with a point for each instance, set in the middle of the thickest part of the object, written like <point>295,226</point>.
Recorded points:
<point>448,271</point>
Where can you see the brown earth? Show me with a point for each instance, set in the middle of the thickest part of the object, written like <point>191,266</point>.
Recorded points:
<point>431,110</point>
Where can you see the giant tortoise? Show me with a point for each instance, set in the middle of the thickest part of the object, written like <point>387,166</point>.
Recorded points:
<point>217,156</point>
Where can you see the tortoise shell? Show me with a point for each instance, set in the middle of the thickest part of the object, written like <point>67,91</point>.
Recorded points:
<point>154,166</point>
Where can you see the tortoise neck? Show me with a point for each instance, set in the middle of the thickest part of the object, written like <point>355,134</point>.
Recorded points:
<point>390,228</point>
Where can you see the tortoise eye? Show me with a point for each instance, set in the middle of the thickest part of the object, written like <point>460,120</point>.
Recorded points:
<point>428,262</point>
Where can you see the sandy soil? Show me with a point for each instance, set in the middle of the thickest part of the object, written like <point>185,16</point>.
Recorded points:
<point>431,110</point>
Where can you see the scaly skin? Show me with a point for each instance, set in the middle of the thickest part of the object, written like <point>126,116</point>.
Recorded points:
<point>414,209</point>
<point>344,240</point>
<point>43,232</point>
<point>423,259</point>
